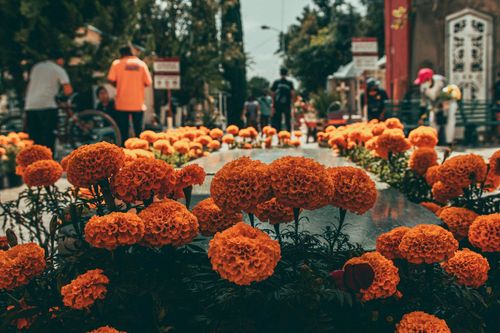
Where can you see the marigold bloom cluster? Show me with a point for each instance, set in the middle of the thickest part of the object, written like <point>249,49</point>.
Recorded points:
<point>462,171</point>
<point>427,243</point>
<point>113,230</point>
<point>422,159</point>
<point>243,254</point>
<point>470,268</point>
<point>431,175</point>
<point>135,143</point>
<point>353,189</point>
<point>458,220</point>
<point>19,264</point>
<point>241,185</point>
<point>106,329</point>
<point>386,277</point>
<point>212,219</point>
<point>190,175</point>
<point>388,243</point>
<point>443,192</point>
<point>42,173</point>
<point>143,179</point>
<point>300,182</point>
<point>168,222</point>
<point>273,212</point>
<point>90,164</point>
<point>85,289</point>
<point>30,155</point>
<point>423,136</point>
<point>419,321</point>
<point>392,141</point>
<point>394,123</point>
<point>484,232</point>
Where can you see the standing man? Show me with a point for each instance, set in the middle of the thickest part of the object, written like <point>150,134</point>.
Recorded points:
<point>283,94</point>
<point>46,78</point>
<point>130,76</point>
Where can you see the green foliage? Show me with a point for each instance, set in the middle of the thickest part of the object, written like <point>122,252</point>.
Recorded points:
<point>258,86</point>
<point>322,101</point>
<point>320,41</point>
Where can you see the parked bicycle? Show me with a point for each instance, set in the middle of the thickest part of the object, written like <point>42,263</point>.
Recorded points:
<point>74,128</point>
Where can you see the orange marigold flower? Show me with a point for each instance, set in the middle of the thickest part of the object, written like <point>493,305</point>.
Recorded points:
<point>271,132</point>
<point>300,182</point>
<point>4,243</point>
<point>463,170</point>
<point>297,134</point>
<point>232,129</point>
<point>182,147</point>
<point>427,243</point>
<point>337,140</point>
<point>294,142</point>
<point>135,143</point>
<point>422,159</point>
<point>113,230</point>
<point>431,175</point>
<point>394,123</point>
<point>378,129</point>
<point>212,219</point>
<point>168,222</point>
<point>353,189</point>
<point>30,155</point>
<point>190,175</point>
<point>470,268</point>
<point>282,135</point>
<point>360,135</point>
<point>484,232</point>
<point>149,136</point>
<point>392,141</point>
<point>164,147</point>
<point>433,207</point>
<point>458,220</point>
<point>214,145</point>
<point>241,185</point>
<point>423,136</point>
<point>242,254</point>
<point>228,139</point>
<point>443,192</point>
<point>273,212</point>
<point>106,329</point>
<point>42,173</point>
<point>89,164</point>
<point>419,321</point>
<point>142,179</point>
<point>19,264</point>
<point>85,289</point>
<point>216,133</point>
<point>204,140</point>
<point>386,279</point>
<point>142,154</point>
<point>330,128</point>
<point>388,243</point>
<point>494,162</point>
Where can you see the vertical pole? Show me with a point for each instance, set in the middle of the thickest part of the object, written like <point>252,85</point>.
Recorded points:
<point>169,112</point>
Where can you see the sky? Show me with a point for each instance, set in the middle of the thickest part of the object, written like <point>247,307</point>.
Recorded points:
<point>260,44</point>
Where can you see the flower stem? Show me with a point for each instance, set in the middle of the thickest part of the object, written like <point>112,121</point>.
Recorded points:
<point>296,213</point>
<point>108,197</point>
<point>252,219</point>
<point>187,194</point>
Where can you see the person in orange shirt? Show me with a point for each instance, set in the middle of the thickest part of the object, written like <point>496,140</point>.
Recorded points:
<point>130,76</point>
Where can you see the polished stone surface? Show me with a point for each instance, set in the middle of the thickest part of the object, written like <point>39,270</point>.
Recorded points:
<point>392,209</point>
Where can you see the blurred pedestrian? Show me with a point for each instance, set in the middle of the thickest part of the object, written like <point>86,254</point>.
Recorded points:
<point>104,102</point>
<point>376,98</point>
<point>251,112</point>
<point>45,81</point>
<point>283,95</point>
<point>130,76</point>
<point>265,103</point>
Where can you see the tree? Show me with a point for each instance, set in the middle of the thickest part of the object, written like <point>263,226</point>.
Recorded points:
<point>233,58</point>
<point>258,86</point>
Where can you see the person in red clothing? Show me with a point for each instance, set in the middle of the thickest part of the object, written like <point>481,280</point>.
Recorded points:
<point>130,76</point>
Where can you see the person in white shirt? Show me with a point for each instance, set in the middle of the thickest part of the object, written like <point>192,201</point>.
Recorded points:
<point>45,81</point>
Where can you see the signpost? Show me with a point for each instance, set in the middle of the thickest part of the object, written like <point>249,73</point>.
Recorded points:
<point>167,76</point>
<point>365,57</point>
